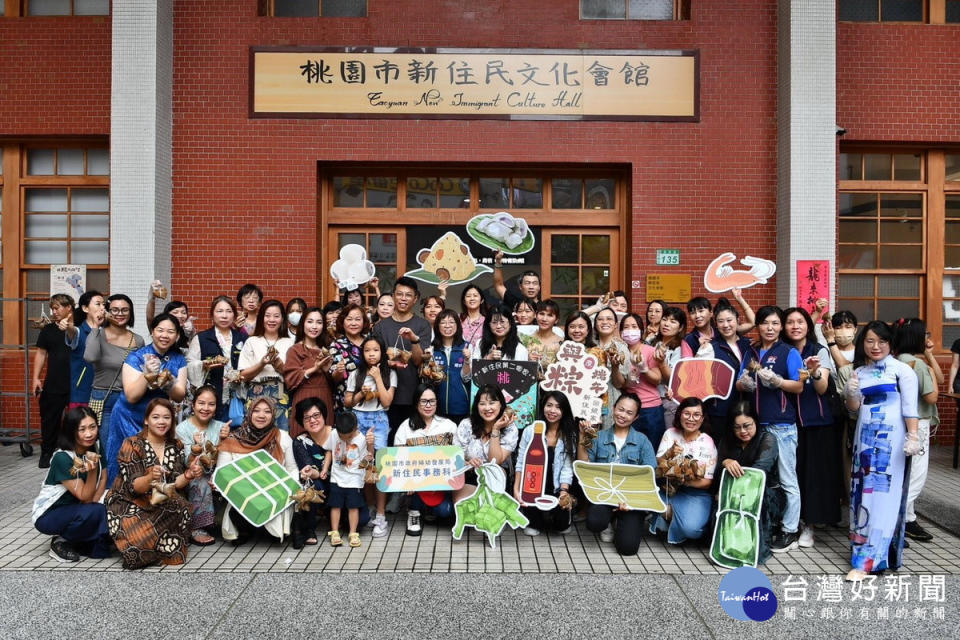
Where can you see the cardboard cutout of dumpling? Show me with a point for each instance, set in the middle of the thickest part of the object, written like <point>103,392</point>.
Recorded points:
<point>502,231</point>
<point>449,259</point>
<point>352,269</point>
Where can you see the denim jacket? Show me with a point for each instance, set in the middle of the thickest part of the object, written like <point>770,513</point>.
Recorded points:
<point>636,450</point>
<point>562,463</point>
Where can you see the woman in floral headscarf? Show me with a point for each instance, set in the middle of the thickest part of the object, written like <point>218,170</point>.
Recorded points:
<point>258,431</point>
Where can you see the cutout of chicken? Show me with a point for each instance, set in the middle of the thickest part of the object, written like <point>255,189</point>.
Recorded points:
<point>449,259</point>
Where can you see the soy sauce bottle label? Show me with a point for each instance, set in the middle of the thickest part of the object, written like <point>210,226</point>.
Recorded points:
<point>534,466</point>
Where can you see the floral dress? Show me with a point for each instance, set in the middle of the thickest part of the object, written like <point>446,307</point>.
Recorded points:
<point>344,351</point>
<point>144,533</point>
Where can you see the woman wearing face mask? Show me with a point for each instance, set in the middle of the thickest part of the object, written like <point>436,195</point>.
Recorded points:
<point>771,374</point>
<point>107,348</point>
<point>308,365</point>
<point>500,340</point>
<point>729,346</point>
<point>818,442</point>
<point>352,327</point>
<point>884,392</point>
<point>262,360</point>
<point>88,317</point>
<point>642,379</point>
<point>617,358</point>
<point>214,354</point>
<point>143,380</point>
<point>295,309</point>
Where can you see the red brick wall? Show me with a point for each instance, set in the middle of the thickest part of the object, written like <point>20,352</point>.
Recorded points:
<point>55,76</point>
<point>260,176</point>
<point>896,84</point>
<point>54,81</point>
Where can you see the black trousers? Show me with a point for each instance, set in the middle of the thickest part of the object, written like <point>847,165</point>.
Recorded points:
<point>52,406</point>
<point>627,530</point>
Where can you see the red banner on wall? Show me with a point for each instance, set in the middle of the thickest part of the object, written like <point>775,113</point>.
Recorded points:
<point>813,283</point>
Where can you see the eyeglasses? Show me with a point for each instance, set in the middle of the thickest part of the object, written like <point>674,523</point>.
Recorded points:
<point>428,403</point>
<point>691,416</point>
<point>117,311</point>
<point>744,427</point>
<point>313,417</point>
<point>499,321</point>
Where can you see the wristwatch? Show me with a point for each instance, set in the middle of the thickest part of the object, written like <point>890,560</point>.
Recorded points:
<point>494,434</point>
<point>831,344</point>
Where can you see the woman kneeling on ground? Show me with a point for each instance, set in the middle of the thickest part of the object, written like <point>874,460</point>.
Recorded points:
<point>68,506</point>
<point>623,445</point>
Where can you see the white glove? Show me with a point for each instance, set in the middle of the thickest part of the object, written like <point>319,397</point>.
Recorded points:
<point>851,390</point>
<point>911,445</point>
<point>747,383</point>
<point>769,378</point>
<point>151,364</point>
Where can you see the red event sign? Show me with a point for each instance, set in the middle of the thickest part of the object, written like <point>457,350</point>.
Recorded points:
<point>813,283</point>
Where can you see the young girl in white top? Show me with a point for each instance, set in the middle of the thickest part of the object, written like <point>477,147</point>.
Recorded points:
<point>369,392</point>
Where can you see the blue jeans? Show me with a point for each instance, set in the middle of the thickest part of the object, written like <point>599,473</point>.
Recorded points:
<point>111,399</point>
<point>786,435</point>
<point>649,422</point>
<point>442,510</point>
<point>691,513</point>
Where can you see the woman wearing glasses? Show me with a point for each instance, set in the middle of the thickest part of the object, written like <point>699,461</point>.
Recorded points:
<point>745,444</point>
<point>425,427</point>
<point>107,347</point>
<point>500,340</point>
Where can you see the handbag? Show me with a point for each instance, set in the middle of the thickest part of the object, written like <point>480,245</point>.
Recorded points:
<point>238,410</point>
<point>97,405</point>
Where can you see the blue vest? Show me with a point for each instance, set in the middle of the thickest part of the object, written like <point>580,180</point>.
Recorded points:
<point>721,351</point>
<point>210,347</point>
<point>452,397</point>
<point>773,405</point>
<point>812,408</point>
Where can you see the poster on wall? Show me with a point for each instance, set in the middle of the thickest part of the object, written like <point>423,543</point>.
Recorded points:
<point>449,260</point>
<point>70,279</point>
<point>813,283</point>
<point>518,381</point>
<point>720,276</point>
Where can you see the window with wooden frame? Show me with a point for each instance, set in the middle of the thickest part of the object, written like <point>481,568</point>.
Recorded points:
<point>906,11</point>
<point>896,241</point>
<point>360,205</point>
<point>634,9</point>
<point>314,8</point>
<point>62,195</point>
<point>66,7</point>
<point>951,259</point>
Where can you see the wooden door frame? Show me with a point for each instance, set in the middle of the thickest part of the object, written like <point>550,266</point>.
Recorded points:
<point>616,263</point>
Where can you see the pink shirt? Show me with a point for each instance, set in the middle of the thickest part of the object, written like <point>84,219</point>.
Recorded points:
<point>638,384</point>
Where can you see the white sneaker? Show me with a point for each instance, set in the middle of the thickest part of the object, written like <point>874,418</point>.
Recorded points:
<point>607,534</point>
<point>806,537</point>
<point>379,526</point>
<point>530,531</point>
<point>413,523</point>
<point>395,503</point>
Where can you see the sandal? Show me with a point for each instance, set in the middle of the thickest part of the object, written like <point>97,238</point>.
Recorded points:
<point>354,539</point>
<point>335,540</point>
<point>201,538</point>
<point>312,540</point>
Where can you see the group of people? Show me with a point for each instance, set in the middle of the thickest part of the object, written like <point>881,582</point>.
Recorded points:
<point>831,412</point>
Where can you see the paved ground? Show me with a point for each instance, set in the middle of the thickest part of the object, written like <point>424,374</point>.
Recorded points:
<point>571,582</point>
